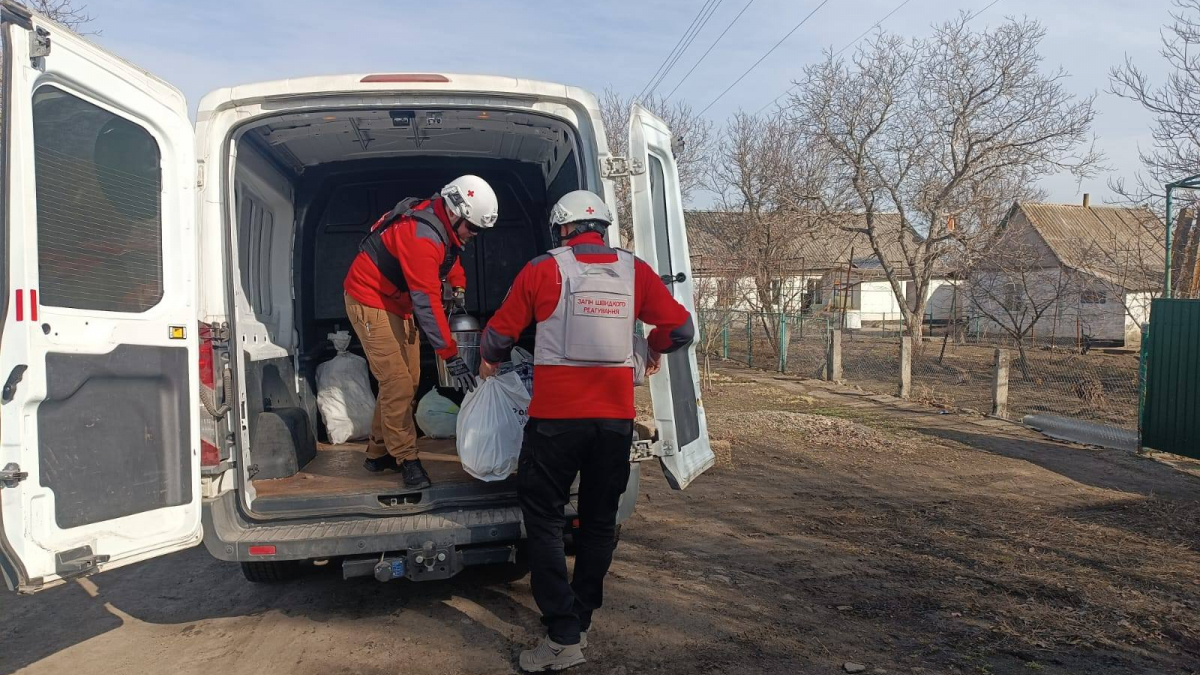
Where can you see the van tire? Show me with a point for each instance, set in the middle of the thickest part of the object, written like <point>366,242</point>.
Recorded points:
<point>271,571</point>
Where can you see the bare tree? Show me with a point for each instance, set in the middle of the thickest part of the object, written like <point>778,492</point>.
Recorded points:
<point>716,298</point>
<point>1175,104</point>
<point>695,133</point>
<point>761,173</point>
<point>1016,287</point>
<point>935,130</point>
<point>67,12</point>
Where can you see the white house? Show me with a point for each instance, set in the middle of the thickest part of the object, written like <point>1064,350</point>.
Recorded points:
<point>813,267</point>
<point>1073,272</point>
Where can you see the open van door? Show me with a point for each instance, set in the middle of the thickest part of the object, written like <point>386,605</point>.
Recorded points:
<point>661,239</point>
<point>99,437</point>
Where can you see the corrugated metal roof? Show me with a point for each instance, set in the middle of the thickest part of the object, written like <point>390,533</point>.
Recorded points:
<point>1121,245</point>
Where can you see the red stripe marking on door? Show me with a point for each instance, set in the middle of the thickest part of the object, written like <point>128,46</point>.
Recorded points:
<point>32,305</point>
<point>20,305</point>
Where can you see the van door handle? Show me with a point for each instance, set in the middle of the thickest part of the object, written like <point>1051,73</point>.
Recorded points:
<point>10,386</point>
<point>677,279</point>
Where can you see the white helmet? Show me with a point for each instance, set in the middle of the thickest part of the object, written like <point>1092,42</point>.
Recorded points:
<point>472,199</point>
<point>581,206</point>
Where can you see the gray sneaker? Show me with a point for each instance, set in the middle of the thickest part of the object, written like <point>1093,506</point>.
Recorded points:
<point>583,639</point>
<point>549,655</point>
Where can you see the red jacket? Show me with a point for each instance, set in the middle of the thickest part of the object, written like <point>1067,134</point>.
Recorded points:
<point>420,252</point>
<point>566,392</point>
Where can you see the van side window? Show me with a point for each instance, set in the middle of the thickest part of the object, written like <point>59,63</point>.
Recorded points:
<point>687,421</point>
<point>99,206</point>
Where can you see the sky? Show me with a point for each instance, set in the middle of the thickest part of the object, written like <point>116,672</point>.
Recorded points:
<point>619,44</point>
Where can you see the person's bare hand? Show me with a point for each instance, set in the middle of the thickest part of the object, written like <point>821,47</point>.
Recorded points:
<point>653,363</point>
<point>487,370</point>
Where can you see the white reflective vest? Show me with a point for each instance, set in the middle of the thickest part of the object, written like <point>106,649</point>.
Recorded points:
<point>593,323</point>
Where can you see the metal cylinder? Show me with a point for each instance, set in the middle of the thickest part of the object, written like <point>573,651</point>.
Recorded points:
<point>466,331</point>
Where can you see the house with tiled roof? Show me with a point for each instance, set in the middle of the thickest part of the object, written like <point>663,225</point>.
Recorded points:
<point>1102,263</point>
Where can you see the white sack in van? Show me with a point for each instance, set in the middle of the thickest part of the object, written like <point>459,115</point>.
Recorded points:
<point>344,393</point>
<point>437,415</point>
<point>490,426</point>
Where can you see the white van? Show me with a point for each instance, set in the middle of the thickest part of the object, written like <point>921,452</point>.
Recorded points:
<point>169,290</point>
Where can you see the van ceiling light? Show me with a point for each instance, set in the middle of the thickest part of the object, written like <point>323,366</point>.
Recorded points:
<point>405,77</point>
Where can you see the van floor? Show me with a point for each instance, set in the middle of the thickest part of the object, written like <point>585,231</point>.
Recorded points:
<point>338,470</point>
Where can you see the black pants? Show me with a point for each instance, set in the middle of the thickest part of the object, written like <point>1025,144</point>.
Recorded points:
<point>553,453</point>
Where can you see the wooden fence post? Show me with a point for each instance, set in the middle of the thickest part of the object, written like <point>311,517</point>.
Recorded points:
<point>1000,384</point>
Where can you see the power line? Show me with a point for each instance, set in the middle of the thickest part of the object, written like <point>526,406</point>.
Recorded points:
<point>710,48</point>
<point>683,37</point>
<point>764,56</point>
<point>686,46</point>
<point>895,9</point>
<point>860,36</point>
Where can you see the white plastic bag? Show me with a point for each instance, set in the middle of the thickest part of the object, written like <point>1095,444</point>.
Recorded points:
<point>437,415</point>
<point>490,426</point>
<point>344,393</point>
<point>641,354</point>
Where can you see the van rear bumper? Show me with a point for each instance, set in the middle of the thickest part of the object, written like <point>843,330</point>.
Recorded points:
<point>227,536</point>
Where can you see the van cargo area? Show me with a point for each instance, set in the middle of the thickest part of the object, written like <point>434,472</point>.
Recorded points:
<point>307,188</point>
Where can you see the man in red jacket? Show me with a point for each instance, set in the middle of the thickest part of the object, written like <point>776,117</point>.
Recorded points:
<point>393,288</point>
<point>585,298</point>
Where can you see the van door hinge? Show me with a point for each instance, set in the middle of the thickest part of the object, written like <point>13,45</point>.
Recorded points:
<point>199,174</point>
<point>11,475</point>
<point>617,167</point>
<point>39,44</point>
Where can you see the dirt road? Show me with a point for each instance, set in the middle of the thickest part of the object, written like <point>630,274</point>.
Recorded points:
<point>910,543</point>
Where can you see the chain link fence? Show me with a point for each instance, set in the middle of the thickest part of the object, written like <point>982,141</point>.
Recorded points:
<point>951,368</point>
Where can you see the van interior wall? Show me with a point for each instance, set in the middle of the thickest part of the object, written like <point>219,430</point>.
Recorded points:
<point>339,203</point>
<point>280,408</point>
<point>297,234</point>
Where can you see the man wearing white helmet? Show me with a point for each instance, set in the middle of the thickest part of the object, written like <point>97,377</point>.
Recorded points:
<point>394,287</point>
<point>585,298</point>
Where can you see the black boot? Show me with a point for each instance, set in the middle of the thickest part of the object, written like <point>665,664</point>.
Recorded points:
<point>377,464</point>
<point>415,477</point>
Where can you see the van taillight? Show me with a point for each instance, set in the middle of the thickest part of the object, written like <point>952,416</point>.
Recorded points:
<point>405,77</point>
<point>210,454</point>
<point>206,355</point>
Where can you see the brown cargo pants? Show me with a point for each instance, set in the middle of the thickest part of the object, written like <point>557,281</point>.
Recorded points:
<point>393,349</point>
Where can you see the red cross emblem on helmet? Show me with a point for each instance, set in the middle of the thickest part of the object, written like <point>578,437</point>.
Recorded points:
<point>470,193</point>
<point>590,210</point>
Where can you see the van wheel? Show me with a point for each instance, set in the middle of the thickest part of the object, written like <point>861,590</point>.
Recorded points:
<point>271,571</point>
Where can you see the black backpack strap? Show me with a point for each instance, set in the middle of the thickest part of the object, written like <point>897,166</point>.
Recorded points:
<point>387,263</point>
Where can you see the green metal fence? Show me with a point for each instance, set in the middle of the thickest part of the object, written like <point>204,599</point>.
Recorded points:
<point>783,342</point>
<point>1170,420</point>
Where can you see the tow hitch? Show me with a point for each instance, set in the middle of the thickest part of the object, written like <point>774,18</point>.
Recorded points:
<point>428,562</point>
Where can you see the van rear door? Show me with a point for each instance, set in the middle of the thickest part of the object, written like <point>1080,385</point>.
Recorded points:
<point>99,440</point>
<point>661,239</point>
